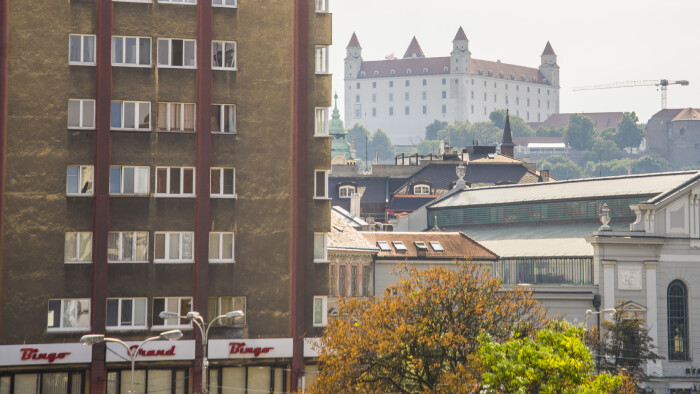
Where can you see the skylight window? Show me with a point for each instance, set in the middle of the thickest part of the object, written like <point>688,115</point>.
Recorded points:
<point>436,246</point>
<point>421,246</point>
<point>384,246</point>
<point>400,247</point>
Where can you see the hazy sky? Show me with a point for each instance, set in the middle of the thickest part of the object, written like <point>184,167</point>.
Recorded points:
<point>596,42</point>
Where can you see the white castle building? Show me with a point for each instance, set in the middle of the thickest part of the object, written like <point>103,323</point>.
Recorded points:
<point>402,96</point>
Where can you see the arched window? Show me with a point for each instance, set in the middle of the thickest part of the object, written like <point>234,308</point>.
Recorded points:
<point>421,189</point>
<point>346,191</point>
<point>677,299</point>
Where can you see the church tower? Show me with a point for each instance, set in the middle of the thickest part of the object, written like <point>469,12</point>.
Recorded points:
<point>460,57</point>
<point>507,145</point>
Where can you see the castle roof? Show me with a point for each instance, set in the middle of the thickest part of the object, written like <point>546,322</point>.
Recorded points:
<point>687,114</point>
<point>354,42</point>
<point>548,50</point>
<point>414,50</point>
<point>460,36</point>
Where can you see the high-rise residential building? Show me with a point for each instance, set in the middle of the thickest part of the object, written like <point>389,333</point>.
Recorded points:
<point>403,96</point>
<point>162,156</point>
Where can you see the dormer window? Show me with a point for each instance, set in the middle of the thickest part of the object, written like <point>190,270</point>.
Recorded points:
<point>346,191</point>
<point>409,71</point>
<point>384,246</point>
<point>523,78</point>
<point>436,246</point>
<point>421,189</point>
<point>362,73</point>
<point>481,72</point>
<point>376,73</point>
<point>400,247</point>
<point>421,246</point>
<point>490,73</point>
<point>512,76</point>
<point>425,70</point>
<point>501,74</point>
<point>392,72</point>
<point>445,69</point>
<point>534,79</point>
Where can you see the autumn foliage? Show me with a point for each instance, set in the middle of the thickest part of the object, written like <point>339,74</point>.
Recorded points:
<point>422,334</point>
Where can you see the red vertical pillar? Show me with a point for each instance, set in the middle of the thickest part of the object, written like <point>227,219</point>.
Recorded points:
<point>4,32</point>
<point>101,189</point>
<point>202,219</point>
<point>299,185</point>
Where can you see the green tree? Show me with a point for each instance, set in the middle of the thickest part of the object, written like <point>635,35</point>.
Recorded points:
<point>580,132</point>
<point>358,136</point>
<point>381,144</point>
<point>608,134</point>
<point>457,134</point>
<point>518,127</point>
<point>555,360</point>
<point>549,132</point>
<point>422,335</point>
<point>427,147</point>
<point>498,118</point>
<point>431,130</point>
<point>630,132</point>
<point>649,164</point>
<point>486,133</point>
<point>603,150</point>
<point>608,168</point>
<point>560,167</point>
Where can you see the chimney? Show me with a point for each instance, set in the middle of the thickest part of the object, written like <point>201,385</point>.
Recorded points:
<point>545,175</point>
<point>355,204</point>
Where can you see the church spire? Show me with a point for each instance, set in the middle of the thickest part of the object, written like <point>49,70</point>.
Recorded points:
<point>507,145</point>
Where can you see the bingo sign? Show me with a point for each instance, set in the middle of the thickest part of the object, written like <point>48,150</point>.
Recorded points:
<point>45,354</point>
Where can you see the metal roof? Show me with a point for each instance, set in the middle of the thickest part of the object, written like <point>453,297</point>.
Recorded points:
<point>591,188</point>
<point>550,247</point>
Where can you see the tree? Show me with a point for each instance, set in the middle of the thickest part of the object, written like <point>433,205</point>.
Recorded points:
<point>623,343</point>
<point>457,134</point>
<point>518,127</point>
<point>603,150</point>
<point>649,164</point>
<point>629,132</point>
<point>486,133</point>
<point>560,167</point>
<point>381,144</point>
<point>358,136</point>
<point>608,168</point>
<point>431,130</point>
<point>427,147</point>
<point>422,334</point>
<point>549,132</point>
<point>580,132</point>
<point>555,360</point>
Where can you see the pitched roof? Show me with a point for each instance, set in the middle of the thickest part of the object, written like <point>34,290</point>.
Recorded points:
<point>667,113</point>
<point>354,42</point>
<point>548,50</point>
<point>547,247</point>
<point>498,67</point>
<point>343,235</point>
<point>456,245</point>
<point>601,120</point>
<point>460,36</point>
<point>414,50</point>
<point>687,114</point>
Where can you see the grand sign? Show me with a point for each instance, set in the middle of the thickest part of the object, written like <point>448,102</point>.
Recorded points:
<point>44,354</point>
<point>250,348</point>
<point>152,351</point>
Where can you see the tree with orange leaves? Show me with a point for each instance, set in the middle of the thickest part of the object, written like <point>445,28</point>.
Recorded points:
<point>421,336</point>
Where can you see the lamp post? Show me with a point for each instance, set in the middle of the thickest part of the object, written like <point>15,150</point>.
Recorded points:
<point>590,313</point>
<point>197,320</point>
<point>92,339</point>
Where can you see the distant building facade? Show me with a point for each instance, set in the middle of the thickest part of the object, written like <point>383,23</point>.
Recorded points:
<point>674,134</point>
<point>402,96</point>
<point>601,120</point>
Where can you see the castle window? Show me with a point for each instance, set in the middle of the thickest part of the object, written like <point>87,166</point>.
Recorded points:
<point>501,74</point>
<point>357,98</point>
<point>425,110</point>
<point>131,51</point>
<point>472,108</point>
<point>358,85</point>
<point>682,132</point>
<point>81,49</point>
<point>444,81</point>
<point>408,83</point>
<point>481,72</point>
<point>538,91</point>
<point>444,109</point>
<point>321,59</point>
<point>374,85</point>
<point>376,73</point>
<point>677,310</point>
<point>409,71</point>
<point>444,94</point>
<point>517,88</point>
<point>528,89</point>
<point>534,79</point>
<point>374,111</point>
<point>392,72</point>
<point>391,111</point>
<point>391,97</point>
<point>490,73</point>
<point>445,69</point>
<point>232,3</point>
<point>523,78</point>
<point>321,6</point>
<point>425,96</point>
<point>407,110</point>
<point>391,84</point>
<point>512,76</point>
<point>177,53</point>
<point>362,73</point>
<point>425,70</point>
<point>407,96</point>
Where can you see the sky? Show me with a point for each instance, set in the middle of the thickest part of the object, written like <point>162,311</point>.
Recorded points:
<point>596,42</point>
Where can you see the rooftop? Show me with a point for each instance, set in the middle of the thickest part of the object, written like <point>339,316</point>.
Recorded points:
<point>455,245</point>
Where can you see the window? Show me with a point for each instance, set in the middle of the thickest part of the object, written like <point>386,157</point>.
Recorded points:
<point>126,313</point>
<point>365,281</point>
<point>444,81</point>
<point>321,184</point>
<point>358,111</point>
<point>176,53</point>
<point>374,111</point>
<point>128,181</point>
<point>391,97</point>
<point>408,83</point>
<point>400,247</point>
<point>225,3</point>
<point>322,6</point>
<point>425,81</point>
<point>81,114</point>
<point>392,72</point>
<point>472,108</point>
<point>221,247</point>
<point>528,102</point>
<point>180,305</point>
<point>407,110</point>
<point>174,247</point>
<point>437,246</point>
<point>178,1</point>
<point>517,100</point>
<point>374,84</point>
<point>81,49</point>
<point>357,98</point>
<point>223,118</point>
<point>222,305</point>
<point>421,189</point>
<point>472,95</point>
<point>127,246</point>
<point>346,191</point>
<point>175,181</point>
<point>444,109</point>
<point>223,182</point>
<point>131,51</point>
<point>485,97</point>
<point>223,55</point>
<point>79,180</point>
<point>353,281</point>
<point>321,59</point>
<point>130,115</point>
<point>320,311</point>
<point>72,314</point>
<point>153,380</point>
<point>384,246</point>
<point>358,84</point>
<point>538,103</point>
<point>495,98</point>
<point>425,110</point>
<point>391,111</point>
<point>444,94</point>
<point>425,95</point>
<point>407,96</point>
<point>342,284</point>
<point>320,247</point>
<point>391,84</point>
<point>420,245</point>
<point>78,247</point>
<point>374,97</point>
<point>43,382</point>
<point>677,299</point>
<point>321,121</point>
<point>176,117</point>
<point>331,285</point>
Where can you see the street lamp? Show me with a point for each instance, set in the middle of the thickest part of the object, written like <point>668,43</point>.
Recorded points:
<point>196,318</point>
<point>590,313</point>
<point>93,339</point>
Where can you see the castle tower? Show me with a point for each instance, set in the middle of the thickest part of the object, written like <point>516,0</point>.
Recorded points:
<point>507,145</point>
<point>414,50</point>
<point>460,57</point>
<point>353,59</point>
<point>550,69</point>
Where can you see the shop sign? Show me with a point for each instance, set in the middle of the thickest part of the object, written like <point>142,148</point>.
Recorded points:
<point>44,354</point>
<point>250,348</point>
<point>152,351</point>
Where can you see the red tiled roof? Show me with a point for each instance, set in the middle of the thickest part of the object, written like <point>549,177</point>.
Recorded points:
<point>687,114</point>
<point>668,113</point>
<point>601,120</point>
<point>456,245</point>
<point>354,42</point>
<point>414,50</point>
<point>460,35</point>
<point>548,50</point>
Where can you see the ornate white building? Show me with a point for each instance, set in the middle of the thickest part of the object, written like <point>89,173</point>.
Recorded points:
<point>402,96</point>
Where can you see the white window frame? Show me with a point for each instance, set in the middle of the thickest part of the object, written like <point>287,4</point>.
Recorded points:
<point>223,45</point>
<point>222,115</point>
<point>220,193</point>
<point>138,175</point>
<point>73,316</point>
<point>183,323</point>
<point>223,3</point>
<point>321,59</point>
<point>133,326</point>
<point>321,122</point>
<point>325,195</point>
<point>182,182</point>
<point>421,189</point>
<point>322,7</point>
<point>137,113</point>
<point>322,320</point>
<point>81,238</point>
<point>78,193</point>
<point>81,111</point>
<point>138,63</point>
<point>181,251</point>
<point>168,110</point>
<point>236,301</point>
<point>122,235</point>
<point>82,61</point>
<point>184,2</point>
<point>220,236</point>
<point>168,63</point>
<point>322,239</point>
<point>346,191</point>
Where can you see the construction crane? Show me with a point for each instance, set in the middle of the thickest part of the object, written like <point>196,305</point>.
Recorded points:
<point>629,84</point>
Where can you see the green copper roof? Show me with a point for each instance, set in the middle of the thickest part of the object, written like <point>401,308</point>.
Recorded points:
<point>336,126</point>
<point>339,144</point>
